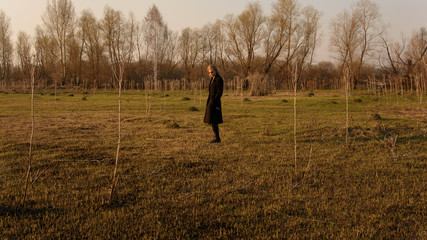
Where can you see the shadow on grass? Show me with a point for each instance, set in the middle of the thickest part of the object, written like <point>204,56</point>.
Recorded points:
<point>409,139</point>
<point>27,211</point>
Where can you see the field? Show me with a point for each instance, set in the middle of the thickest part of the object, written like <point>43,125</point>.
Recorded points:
<point>173,184</point>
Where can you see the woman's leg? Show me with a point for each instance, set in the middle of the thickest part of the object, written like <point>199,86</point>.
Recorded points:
<point>215,129</point>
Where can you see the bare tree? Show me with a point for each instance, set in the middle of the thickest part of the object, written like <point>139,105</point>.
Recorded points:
<point>215,42</point>
<point>59,21</point>
<point>75,60</point>
<point>288,13</point>
<point>46,55</point>
<point>275,40</point>
<point>123,46</point>
<point>345,40</point>
<point>131,37</point>
<point>93,49</point>
<point>245,35</point>
<point>154,27</point>
<point>407,62</point>
<point>139,41</point>
<point>167,52</point>
<point>417,60</point>
<point>190,45</point>
<point>114,35</point>
<point>6,48</point>
<point>291,37</point>
<point>355,34</point>
<point>371,29</point>
<point>119,34</point>
<point>417,52</point>
<point>23,50</point>
<point>309,26</point>
<point>118,72</point>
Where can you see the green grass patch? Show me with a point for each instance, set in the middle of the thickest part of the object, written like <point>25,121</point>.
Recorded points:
<point>174,184</point>
<point>193,109</point>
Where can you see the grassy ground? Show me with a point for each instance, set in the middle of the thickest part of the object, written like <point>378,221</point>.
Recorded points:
<point>173,184</point>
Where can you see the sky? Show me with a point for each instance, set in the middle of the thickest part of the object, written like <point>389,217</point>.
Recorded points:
<point>403,17</point>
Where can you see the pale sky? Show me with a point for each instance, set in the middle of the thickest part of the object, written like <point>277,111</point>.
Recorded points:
<point>402,16</point>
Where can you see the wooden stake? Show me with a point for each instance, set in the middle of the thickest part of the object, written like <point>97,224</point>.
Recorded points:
<point>115,179</point>
<point>31,135</point>
<point>295,80</point>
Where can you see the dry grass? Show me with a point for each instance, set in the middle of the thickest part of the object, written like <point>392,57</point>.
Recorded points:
<point>174,184</point>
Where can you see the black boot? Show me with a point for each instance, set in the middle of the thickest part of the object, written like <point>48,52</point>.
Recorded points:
<point>215,129</point>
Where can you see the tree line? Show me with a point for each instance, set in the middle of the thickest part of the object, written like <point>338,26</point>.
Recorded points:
<point>251,49</point>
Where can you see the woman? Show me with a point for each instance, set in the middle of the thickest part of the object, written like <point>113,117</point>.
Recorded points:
<point>213,113</point>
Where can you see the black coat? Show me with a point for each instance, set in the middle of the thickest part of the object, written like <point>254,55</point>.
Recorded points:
<point>213,113</point>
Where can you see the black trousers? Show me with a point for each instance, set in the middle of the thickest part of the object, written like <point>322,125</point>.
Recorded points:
<point>215,129</point>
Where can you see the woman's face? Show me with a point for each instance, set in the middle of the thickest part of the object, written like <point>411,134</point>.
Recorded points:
<point>212,72</point>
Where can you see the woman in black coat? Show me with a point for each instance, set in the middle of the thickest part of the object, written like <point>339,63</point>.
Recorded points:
<point>213,113</point>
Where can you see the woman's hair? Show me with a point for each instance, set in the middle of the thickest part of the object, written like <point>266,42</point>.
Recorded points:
<point>214,68</point>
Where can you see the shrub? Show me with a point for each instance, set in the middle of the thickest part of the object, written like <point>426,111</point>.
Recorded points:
<point>173,124</point>
<point>193,109</point>
<point>284,101</point>
<point>185,99</point>
<point>357,100</point>
<point>259,84</point>
<point>246,99</point>
<point>376,116</point>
